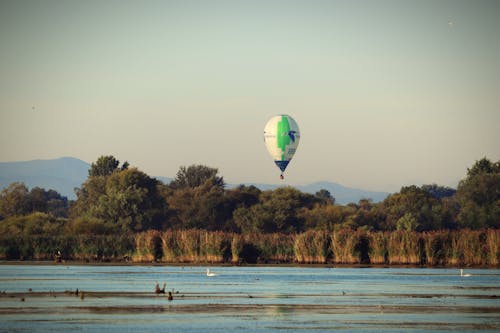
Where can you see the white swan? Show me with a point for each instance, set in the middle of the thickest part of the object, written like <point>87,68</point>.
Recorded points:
<point>462,273</point>
<point>209,273</point>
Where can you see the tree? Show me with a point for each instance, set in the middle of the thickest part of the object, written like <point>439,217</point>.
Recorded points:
<point>416,202</point>
<point>254,219</point>
<point>132,201</point>
<point>88,196</point>
<point>367,215</point>
<point>439,192</point>
<point>241,196</point>
<point>277,211</point>
<point>13,200</point>
<point>105,166</point>
<point>198,207</point>
<point>479,196</point>
<point>57,205</point>
<point>325,217</point>
<point>407,222</point>
<point>36,200</point>
<point>17,200</point>
<point>196,175</point>
<point>40,200</point>
<point>128,199</point>
<point>482,167</point>
<point>325,197</point>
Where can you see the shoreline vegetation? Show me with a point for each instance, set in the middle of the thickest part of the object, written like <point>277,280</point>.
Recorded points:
<point>123,215</point>
<point>464,248</point>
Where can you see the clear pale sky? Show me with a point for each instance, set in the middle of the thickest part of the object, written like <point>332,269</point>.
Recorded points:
<point>386,93</point>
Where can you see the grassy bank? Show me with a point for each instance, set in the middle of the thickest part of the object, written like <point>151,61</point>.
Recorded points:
<point>438,248</point>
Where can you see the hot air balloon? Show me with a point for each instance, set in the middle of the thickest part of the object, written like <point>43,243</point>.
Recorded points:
<point>282,137</point>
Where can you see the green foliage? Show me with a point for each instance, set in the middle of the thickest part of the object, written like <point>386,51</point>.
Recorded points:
<point>412,208</point>
<point>253,219</point>
<point>33,224</point>
<point>325,197</point>
<point>129,199</point>
<point>483,167</point>
<point>277,211</point>
<point>114,198</point>
<point>239,197</point>
<point>326,217</point>
<point>105,166</point>
<point>88,225</point>
<point>366,215</point>
<point>439,192</point>
<point>479,196</point>
<point>132,201</point>
<point>17,200</point>
<point>120,212</point>
<point>13,200</point>
<point>198,207</point>
<point>196,175</point>
<point>407,222</point>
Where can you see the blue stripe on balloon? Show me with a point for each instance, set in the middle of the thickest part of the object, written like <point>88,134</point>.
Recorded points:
<point>282,164</point>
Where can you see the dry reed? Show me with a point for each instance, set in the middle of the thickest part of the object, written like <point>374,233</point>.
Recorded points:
<point>345,246</point>
<point>311,247</point>
<point>404,247</point>
<point>377,249</point>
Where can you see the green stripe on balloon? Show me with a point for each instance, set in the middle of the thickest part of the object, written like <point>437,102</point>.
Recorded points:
<point>282,137</point>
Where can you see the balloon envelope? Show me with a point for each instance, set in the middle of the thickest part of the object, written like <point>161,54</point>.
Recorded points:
<point>282,137</point>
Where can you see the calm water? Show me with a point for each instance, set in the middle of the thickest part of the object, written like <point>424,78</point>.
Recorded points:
<point>249,299</point>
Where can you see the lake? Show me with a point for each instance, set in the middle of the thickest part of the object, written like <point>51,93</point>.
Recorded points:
<point>43,298</point>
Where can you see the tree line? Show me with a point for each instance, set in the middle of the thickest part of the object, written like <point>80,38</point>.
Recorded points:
<point>117,199</point>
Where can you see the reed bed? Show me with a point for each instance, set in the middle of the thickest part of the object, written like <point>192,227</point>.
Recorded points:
<point>344,246</point>
<point>377,247</point>
<point>147,246</point>
<point>470,244</point>
<point>493,246</point>
<point>215,246</point>
<point>80,247</point>
<point>311,247</point>
<point>188,242</point>
<point>195,246</point>
<point>268,248</point>
<point>435,246</point>
<point>404,247</point>
<point>170,247</point>
<point>236,248</point>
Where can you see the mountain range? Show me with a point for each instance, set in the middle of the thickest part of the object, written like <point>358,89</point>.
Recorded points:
<point>66,173</point>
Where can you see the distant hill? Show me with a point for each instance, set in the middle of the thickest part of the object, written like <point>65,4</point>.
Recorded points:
<point>61,174</point>
<point>342,194</point>
<point>66,173</point>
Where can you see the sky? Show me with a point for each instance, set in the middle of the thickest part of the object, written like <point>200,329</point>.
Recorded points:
<point>386,93</point>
